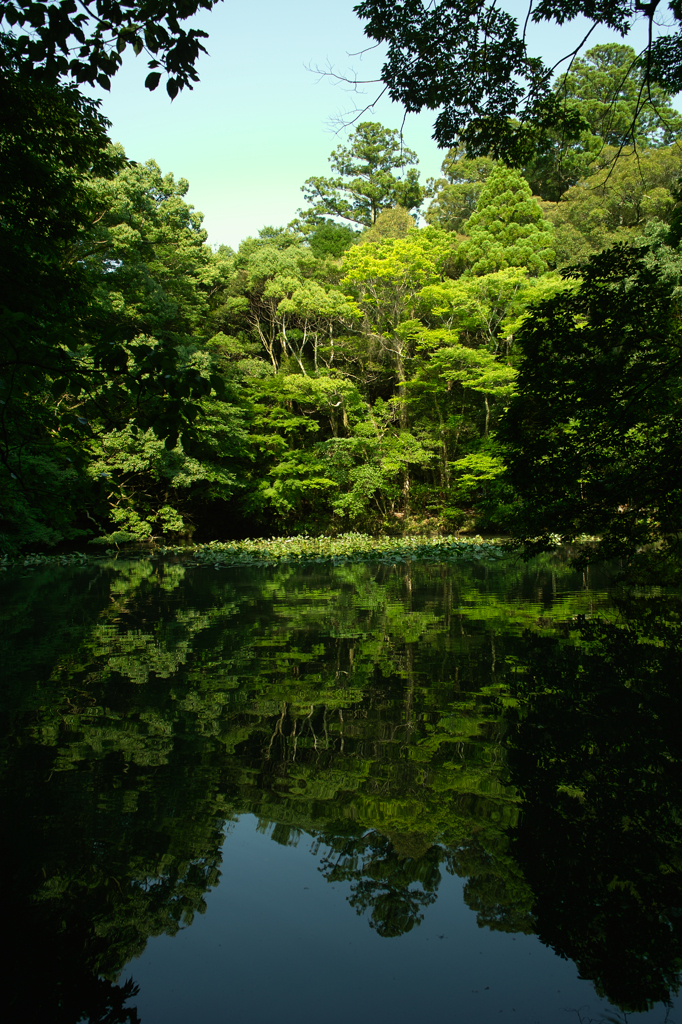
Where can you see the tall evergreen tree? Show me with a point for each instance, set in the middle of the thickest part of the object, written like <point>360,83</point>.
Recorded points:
<point>365,183</point>
<point>508,229</point>
<point>606,87</point>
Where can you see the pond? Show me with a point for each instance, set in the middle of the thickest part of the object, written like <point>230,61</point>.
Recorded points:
<point>408,790</point>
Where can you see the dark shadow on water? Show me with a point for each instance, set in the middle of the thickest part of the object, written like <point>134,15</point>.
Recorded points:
<point>597,757</point>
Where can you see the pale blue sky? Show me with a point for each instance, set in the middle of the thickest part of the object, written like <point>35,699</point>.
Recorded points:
<point>257,124</point>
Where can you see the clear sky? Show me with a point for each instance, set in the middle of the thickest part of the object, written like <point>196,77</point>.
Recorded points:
<point>258,123</point>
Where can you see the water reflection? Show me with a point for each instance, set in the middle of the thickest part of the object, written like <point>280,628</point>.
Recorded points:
<point>597,756</point>
<point>497,722</point>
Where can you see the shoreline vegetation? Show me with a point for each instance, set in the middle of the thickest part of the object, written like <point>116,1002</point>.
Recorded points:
<point>350,547</point>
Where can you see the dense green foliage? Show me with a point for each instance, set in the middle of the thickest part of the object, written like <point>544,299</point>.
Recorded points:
<point>269,386</point>
<point>52,40</point>
<point>470,61</point>
<point>348,372</point>
<point>595,432</point>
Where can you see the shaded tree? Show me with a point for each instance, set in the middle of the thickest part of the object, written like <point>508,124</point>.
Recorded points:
<point>593,433</point>
<point>471,62</point>
<point>60,40</point>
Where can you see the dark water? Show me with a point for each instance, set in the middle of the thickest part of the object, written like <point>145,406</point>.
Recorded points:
<point>410,792</point>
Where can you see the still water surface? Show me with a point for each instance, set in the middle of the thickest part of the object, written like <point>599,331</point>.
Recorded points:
<point>402,791</point>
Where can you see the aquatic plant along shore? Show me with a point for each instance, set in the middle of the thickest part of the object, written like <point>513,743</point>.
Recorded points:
<point>354,547</point>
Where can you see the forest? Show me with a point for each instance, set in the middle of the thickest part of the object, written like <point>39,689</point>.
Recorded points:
<point>494,350</point>
<point>307,469</point>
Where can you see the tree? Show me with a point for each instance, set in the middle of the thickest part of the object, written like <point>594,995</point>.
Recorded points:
<point>615,203</point>
<point>395,222</point>
<point>456,194</point>
<point>53,143</point>
<point>469,60</point>
<point>86,42</point>
<point>288,302</point>
<point>51,140</point>
<point>331,239</point>
<point>366,184</point>
<point>463,378</point>
<point>607,88</point>
<point>102,355</point>
<point>155,278</point>
<point>67,356</point>
<point>508,228</point>
<point>594,432</point>
<point>386,278</point>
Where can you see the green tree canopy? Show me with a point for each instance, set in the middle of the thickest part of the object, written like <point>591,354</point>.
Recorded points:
<point>471,62</point>
<point>616,202</point>
<point>365,183</point>
<point>52,141</point>
<point>508,228</point>
<point>456,194</point>
<point>594,432</point>
<point>331,239</point>
<point>95,297</point>
<point>395,222</point>
<point>86,42</point>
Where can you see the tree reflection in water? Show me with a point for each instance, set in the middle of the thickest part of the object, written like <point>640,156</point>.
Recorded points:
<point>412,719</point>
<point>381,872</point>
<point>598,759</point>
